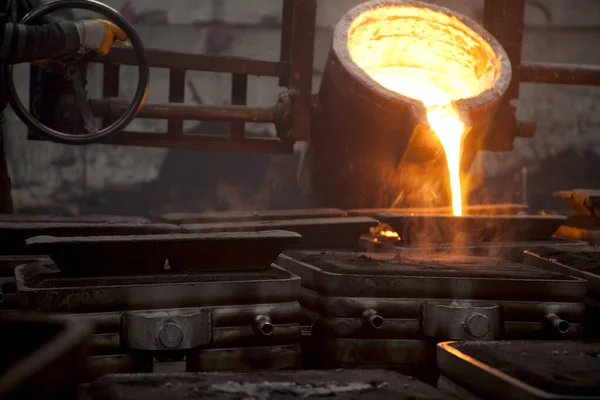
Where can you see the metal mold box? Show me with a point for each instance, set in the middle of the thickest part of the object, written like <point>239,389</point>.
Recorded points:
<point>582,262</point>
<point>428,276</point>
<point>523,370</point>
<point>381,309</point>
<point>42,287</point>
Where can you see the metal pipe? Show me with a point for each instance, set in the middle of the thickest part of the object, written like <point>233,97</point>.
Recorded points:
<point>555,322</point>
<point>114,108</point>
<point>197,62</point>
<point>263,325</point>
<point>562,74</point>
<point>372,319</point>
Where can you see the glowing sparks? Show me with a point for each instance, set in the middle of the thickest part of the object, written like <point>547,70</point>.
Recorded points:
<point>431,57</point>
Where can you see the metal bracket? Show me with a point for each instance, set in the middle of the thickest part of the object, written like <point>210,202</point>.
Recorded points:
<point>166,330</point>
<point>456,321</point>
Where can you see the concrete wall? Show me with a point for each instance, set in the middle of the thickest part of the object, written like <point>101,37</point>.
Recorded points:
<point>46,173</point>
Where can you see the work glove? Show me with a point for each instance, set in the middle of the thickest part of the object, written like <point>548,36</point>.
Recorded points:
<point>98,35</point>
<point>94,35</point>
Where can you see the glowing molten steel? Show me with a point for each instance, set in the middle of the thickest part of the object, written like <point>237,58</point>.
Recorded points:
<point>431,57</point>
<point>384,230</point>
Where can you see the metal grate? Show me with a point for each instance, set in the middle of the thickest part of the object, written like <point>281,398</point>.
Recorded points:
<point>294,70</point>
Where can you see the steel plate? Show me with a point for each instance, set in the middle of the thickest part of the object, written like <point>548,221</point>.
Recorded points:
<point>146,254</point>
<point>14,234</point>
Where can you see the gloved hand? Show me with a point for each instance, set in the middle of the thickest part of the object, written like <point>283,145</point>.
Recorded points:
<point>98,35</point>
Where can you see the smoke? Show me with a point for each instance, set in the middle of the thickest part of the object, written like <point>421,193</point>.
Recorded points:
<point>233,197</point>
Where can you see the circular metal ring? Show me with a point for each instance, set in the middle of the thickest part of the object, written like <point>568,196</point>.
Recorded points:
<point>143,77</point>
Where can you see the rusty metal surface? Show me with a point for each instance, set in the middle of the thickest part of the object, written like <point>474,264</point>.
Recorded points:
<point>433,229</point>
<point>351,384</point>
<point>42,287</point>
<point>107,108</point>
<point>200,142</point>
<point>13,235</point>
<point>504,19</point>
<point>146,254</point>
<point>523,370</point>
<point>564,74</point>
<point>197,62</point>
<point>244,216</point>
<point>41,358</point>
<point>582,201</point>
<point>287,32</point>
<point>301,66</point>
<point>581,227</point>
<point>582,262</point>
<point>483,209</point>
<point>316,233</point>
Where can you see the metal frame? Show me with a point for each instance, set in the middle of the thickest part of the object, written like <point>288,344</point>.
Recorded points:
<point>292,112</point>
<point>294,70</point>
<point>505,20</point>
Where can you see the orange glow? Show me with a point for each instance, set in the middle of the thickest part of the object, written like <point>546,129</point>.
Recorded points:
<point>431,57</point>
<point>384,230</point>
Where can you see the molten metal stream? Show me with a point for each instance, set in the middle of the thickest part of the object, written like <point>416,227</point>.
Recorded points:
<point>443,118</point>
<point>428,56</point>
